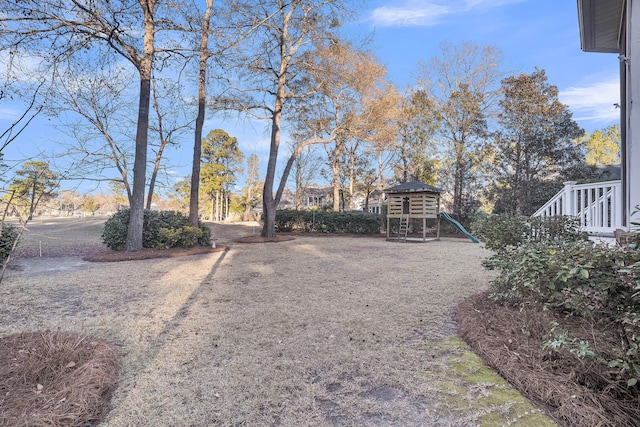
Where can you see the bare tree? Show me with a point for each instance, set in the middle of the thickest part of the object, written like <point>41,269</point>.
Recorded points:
<point>17,126</point>
<point>169,123</point>
<point>56,30</point>
<point>464,84</point>
<point>225,40</point>
<point>353,104</point>
<point>274,65</point>
<point>204,56</point>
<point>100,121</point>
<point>305,170</point>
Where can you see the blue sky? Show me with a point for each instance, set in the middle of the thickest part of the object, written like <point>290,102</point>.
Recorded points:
<point>530,33</point>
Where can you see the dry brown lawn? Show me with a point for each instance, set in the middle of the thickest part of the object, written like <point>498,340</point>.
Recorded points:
<point>333,331</point>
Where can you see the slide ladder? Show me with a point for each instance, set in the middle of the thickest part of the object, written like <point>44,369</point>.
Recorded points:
<point>458,227</point>
<point>403,228</point>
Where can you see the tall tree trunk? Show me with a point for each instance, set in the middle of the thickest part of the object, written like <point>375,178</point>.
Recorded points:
<point>136,213</point>
<point>335,168</point>
<point>33,200</point>
<point>352,177</point>
<point>405,165</point>
<point>197,144</point>
<point>217,214</point>
<point>152,182</point>
<point>226,207</point>
<point>269,202</point>
<point>247,207</point>
<point>458,185</point>
<point>335,171</point>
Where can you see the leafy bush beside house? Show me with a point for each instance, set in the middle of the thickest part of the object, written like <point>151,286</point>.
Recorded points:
<point>161,229</point>
<point>503,232</point>
<point>550,266</point>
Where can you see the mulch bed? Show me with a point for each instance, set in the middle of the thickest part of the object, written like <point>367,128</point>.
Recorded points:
<point>55,379</point>
<point>260,239</point>
<point>510,340</point>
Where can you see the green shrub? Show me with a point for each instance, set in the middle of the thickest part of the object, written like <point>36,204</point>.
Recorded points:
<point>597,283</point>
<point>549,263</point>
<point>327,221</point>
<point>7,238</point>
<point>499,233</point>
<point>160,229</point>
<point>114,232</point>
<point>184,237</point>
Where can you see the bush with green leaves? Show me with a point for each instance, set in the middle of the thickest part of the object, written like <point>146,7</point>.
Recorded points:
<point>160,229</point>
<point>598,283</point>
<point>7,238</point>
<point>503,232</point>
<point>183,237</point>
<point>327,221</point>
<point>549,263</point>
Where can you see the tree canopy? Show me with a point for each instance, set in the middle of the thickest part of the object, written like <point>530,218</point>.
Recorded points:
<point>603,146</point>
<point>535,140</point>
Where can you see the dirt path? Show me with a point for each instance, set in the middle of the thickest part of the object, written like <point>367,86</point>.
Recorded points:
<point>332,331</point>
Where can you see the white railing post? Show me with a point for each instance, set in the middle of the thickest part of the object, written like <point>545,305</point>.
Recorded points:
<point>568,202</point>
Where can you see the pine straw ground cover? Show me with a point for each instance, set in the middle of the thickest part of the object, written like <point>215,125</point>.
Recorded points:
<point>55,379</point>
<point>308,332</point>
<point>510,340</point>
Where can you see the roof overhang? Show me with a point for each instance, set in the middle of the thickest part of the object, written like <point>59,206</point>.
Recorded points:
<point>600,25</point>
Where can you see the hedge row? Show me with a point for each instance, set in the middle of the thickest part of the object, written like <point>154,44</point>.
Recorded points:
<point>327,221</point>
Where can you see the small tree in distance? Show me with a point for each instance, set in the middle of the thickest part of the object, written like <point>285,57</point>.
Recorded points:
<point>222,160</point>
<point>252,183</point>
<point>32,184</point>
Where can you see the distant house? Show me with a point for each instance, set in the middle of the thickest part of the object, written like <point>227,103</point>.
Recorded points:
<point>376,201</point>
<point>613,26</point>
<point>316,197</point>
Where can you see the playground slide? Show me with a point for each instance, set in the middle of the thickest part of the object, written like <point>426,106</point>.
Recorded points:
<point>459,227</point>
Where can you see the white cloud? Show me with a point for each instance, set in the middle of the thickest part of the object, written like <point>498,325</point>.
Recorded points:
<point>410,15</point>
<point>428,12</point>
<point>594,101</point>
<point>8,114</point>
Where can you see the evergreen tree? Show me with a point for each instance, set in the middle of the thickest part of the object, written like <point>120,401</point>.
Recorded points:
<point>221,161</point>
<point>534,144</point>
<point>33,183</point>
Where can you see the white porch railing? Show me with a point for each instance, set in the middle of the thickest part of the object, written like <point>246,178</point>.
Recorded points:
<point>598,205</point>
